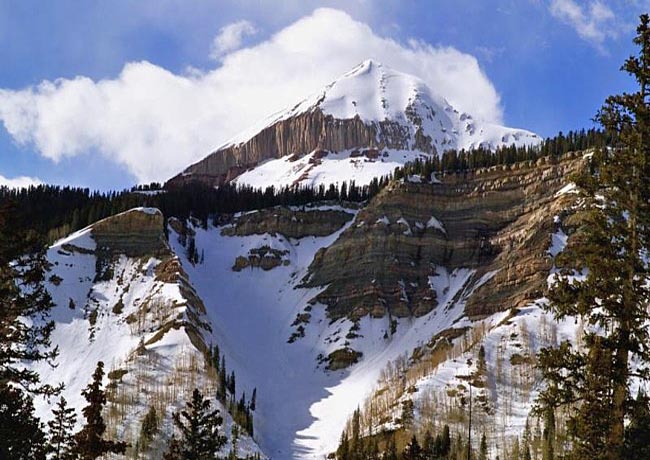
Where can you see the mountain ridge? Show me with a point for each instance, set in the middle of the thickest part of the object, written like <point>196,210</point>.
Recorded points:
<point>358,127</point>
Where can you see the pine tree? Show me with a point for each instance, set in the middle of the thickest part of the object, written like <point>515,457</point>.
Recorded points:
<point>61,443</point>
<point>149,428</point>
<point>429,448</point>
<point>23,295</point>
<point>637,432</point>
<point>253,403</point>
<point>356,441</point>
<point>612,295</point>
<point>408,416</point>
<point>21,433</point>
<point>90,442</point>
<point>391,449</point>
<point>412,451</point>
<point>483,451</point>
<point>200,431</point>
<point>343,451</point>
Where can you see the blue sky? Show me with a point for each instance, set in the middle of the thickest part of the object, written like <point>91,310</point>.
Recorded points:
<point>551,63</point>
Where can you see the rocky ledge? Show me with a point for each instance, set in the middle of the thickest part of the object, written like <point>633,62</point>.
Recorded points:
<point>135,233</point>
<point>496,222</point>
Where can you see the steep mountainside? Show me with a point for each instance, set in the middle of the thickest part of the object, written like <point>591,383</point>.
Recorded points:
<point>362,125</point>
<point>493,222</point>
<point>122,297</point>
<point>311,305</point>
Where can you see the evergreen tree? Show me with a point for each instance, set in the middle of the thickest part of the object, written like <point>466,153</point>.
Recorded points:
<point>61,443</point>
<point>23,295</point>
<point>149,428</point>
<point>90,442</point>
<point>21,433</point>
<point>408,416</point>
<point>548,435</point>
<point>515,450</point>
<point>356,441</point>
<point>412,451</point>
<point>429,448</point>
<point>200,430</point>
<point>612,297</point>
<point>446,441</point>
<point>253,403</point>
<point>483,451</point>
<point>343,451</point>
<point>637,432</point>
<point>391,449</point>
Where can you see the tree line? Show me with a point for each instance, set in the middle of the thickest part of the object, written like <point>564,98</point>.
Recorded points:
<point>56,211</point>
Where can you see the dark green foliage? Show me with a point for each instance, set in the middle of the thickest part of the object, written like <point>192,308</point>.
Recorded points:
<point>412,451</point>
<point>637,432</point>
<point>22,294</point>
<point>21,433</point>
<point>150,427</point>
<point>90,442</point>
<point>483,450</point>
<point>61,443</point>
<point>56,211</point>
<point>408,416</point>
<point>200,431</point>
<point>613,296</point>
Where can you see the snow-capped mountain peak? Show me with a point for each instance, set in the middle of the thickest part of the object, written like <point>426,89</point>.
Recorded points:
<point>372,108</point>
<point>374,93</point>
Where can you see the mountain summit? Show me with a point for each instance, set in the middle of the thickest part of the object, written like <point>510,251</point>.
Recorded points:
<point>358,127</point>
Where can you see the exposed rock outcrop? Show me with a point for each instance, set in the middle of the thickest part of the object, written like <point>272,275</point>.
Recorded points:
<point>291,223</point>
<point>264,257</point>
<point>135,233</point>
<point>301,134</point>
<point>496,221</point>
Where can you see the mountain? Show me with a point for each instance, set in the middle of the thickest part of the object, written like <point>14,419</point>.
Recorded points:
<point>323,308</point>
<point>123,297</point>
<point>429,288</point>
<point>362,125</point>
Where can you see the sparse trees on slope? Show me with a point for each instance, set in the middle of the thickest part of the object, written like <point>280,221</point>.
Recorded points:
<point>61,442</point>
<point>200,431</point>
<point>90,442</point>
<point>603,276</point>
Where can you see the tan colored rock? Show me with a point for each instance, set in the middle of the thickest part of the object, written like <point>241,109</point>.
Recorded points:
<point>495,220</point>
<point>299,135</point>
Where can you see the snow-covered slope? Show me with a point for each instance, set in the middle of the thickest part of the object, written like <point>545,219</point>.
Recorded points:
<point>360,126</point>
<point>141,318</point>
<point>302,407</point>
<point>376,93</point>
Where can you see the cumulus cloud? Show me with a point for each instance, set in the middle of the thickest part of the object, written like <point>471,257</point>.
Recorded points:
<point>155,122</point>
<point>594,23</point>
<point>19,182</point>
<point>230,38</point>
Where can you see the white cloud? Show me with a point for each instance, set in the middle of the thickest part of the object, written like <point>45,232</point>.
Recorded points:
<point>18,182</point>
<point>230,38</point>
<point>155,122</point>
<point>594,23</point>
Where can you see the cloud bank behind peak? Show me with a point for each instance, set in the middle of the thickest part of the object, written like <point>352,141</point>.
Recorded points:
<point>155,122</point>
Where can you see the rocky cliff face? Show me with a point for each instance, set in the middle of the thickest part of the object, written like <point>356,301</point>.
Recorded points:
<point>494,222</point>
<point>370,107</point>
<point>302,134</point>
<point>292,223</point>
<point>134,233</point>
